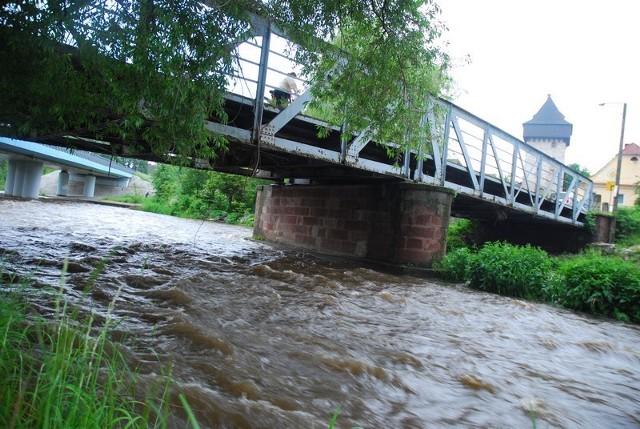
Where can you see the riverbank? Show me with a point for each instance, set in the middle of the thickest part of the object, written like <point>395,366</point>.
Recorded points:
<point>591,282</point>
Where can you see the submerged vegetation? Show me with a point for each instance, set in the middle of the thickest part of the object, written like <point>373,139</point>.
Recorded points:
<point>62,370</point>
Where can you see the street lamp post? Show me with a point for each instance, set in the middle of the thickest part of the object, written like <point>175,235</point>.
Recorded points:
<point>620,150</point>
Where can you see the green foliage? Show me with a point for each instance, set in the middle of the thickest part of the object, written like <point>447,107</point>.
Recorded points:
<point>131,199</point>
<point>627,225</point>
<point>165,182</point>
<point>460,234</point>
<point>4,166</point>
<point>591,282</point>
<point>138,165</point>
<point>334,419</point>
<point>144,72</point>
<point>456,265</point>
<point>637,192</point>
<point>590,221</point>
<point>390,55</point>
<point>47,170</point>
<point>62,371</point>
<point>517,271</point>
<point>202,194</point>
<point>578,169</point>
<point>153,205</point>
<point>148,73</point>
<point>602,285</point>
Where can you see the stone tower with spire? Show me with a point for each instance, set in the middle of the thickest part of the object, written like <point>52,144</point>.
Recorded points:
<point>548,131</point>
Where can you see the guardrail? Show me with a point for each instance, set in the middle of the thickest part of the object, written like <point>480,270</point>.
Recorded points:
<point>463,152</point>
<point>90,156</point>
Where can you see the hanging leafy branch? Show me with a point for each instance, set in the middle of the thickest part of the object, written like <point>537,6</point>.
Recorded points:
<point>380,68</point>
<point>148,73</point>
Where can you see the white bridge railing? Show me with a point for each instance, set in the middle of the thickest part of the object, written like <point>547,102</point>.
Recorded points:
<point>463,152</point>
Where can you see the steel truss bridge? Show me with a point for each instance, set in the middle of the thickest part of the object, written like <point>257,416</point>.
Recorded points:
<point>496,176</point>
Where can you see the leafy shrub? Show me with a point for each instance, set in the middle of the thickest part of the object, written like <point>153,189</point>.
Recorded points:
<point>153,205</point>
<point>200,194</point>
<point>247,220</point>
<point>460,234</point>
<point>602,285</point>
<point>590,221</point>
<point>518,271</point>
<point>455,265</point>
<point>627,225</point>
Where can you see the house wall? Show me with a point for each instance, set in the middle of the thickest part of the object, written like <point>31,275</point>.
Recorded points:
<point>604,180</point>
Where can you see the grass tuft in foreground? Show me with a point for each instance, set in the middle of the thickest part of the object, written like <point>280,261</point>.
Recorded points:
<point>62,371</point>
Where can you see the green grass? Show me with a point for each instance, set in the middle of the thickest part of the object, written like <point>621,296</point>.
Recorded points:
<point>131,199</point>
<point>62,371</point>
<point>334,420</point>
<point>155,205</point>
<point>144,176</point>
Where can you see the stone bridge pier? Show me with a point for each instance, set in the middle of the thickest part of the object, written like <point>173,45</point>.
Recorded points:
<point>397,223</point>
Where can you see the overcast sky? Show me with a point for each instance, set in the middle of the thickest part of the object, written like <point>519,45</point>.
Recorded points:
<point>582,52</point>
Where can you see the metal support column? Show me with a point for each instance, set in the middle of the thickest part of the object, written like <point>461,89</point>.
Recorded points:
<point>262,82</point>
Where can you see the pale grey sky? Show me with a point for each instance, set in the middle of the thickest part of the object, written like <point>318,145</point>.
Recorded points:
<point>582,52</point>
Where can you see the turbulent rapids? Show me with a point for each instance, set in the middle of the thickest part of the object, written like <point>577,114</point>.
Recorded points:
<point>265,337</point>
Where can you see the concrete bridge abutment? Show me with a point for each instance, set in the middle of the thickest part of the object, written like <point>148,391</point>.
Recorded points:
<point>397,223</point>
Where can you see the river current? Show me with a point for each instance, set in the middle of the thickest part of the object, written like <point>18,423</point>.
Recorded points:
<point>262,336</point>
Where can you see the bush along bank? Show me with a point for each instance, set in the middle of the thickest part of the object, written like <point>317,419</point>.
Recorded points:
<point>593,283</point>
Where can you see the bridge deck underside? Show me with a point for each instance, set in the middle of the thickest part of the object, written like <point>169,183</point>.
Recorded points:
<point>244,154</point>
<point>245,157</point>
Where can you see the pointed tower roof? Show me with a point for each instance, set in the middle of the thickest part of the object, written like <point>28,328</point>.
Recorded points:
<point>548,123</point>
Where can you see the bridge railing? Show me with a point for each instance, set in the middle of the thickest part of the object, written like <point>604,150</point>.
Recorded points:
<point>462,152</point>
<point>93,158</point>
<point>498,166</point>
<point>262,61</point>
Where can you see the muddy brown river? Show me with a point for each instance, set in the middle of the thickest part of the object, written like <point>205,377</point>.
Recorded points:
<point>266,337</point>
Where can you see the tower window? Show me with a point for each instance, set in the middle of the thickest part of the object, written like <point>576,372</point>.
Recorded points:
<point>634,159</point>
